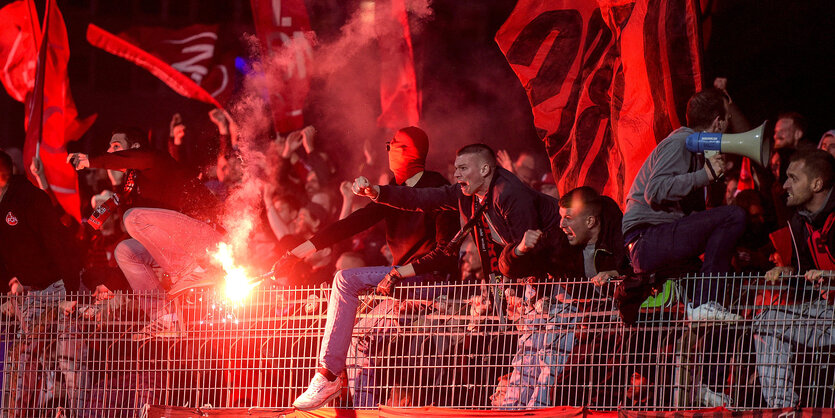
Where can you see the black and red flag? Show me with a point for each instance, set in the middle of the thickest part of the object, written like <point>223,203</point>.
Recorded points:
<point>606,81</point>
<point>184,59</point>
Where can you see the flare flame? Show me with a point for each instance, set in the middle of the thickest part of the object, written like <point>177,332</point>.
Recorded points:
<point>238,282</point>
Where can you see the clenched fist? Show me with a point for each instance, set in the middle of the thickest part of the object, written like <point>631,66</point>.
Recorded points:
<point>362,187</point>
<point>529,240</point>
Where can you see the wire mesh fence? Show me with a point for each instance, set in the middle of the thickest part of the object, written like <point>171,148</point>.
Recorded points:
<point>479,346</point>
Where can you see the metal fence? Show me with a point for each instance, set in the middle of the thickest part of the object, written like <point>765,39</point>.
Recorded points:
<point>479,346</point>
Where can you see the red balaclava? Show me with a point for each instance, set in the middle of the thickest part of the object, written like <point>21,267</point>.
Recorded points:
<point>407,153</point>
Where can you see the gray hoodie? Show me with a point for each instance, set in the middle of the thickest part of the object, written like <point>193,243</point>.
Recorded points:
<point>665,178</point>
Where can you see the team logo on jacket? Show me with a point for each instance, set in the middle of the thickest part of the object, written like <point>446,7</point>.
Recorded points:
<point>11,219</point>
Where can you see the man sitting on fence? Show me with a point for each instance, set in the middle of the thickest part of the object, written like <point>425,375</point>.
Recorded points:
<point>808,321</point>
<point>665,223</point>
<point>172,219</point>
<point>416,241</point>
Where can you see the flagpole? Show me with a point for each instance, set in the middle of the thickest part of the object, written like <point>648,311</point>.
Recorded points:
<point>34,24</point>
<point>41,76</point>
<point>36,100</point>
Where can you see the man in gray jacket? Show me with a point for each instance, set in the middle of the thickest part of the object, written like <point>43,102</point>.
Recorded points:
<point>665,222</point>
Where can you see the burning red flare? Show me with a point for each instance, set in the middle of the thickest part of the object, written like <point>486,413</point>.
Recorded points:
<point>239,284</point>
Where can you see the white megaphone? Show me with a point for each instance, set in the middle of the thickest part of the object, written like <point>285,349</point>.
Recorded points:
<point>749,144</point>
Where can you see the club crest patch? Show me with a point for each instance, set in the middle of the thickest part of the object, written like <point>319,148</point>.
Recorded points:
<point>11,219</point>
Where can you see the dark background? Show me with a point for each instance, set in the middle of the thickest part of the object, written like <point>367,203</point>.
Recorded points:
<point>776,54</point>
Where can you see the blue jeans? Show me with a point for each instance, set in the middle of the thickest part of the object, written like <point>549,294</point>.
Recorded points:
<point>778,331</point>
<point>713,232</point>
<point>377,328</point>
<point>544,347</point>
<point>163,239</point>
<point>342,313</point>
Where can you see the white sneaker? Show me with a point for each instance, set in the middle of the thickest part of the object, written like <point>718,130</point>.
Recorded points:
<point>164,327</point>
<point>713,399</point>
<point>320,392</point>
<point>711,311</point>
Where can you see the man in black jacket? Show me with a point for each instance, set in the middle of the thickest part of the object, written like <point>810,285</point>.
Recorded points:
<point>172,220</point>
<point>591,224</point>
<point>35,249</point>
<point>501,209</point>
<point>505,206</point>
<point>417,241</point>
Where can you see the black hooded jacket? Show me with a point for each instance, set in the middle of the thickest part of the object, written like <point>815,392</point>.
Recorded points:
<point>34,246</point>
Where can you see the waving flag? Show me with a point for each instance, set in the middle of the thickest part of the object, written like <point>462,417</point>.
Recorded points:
<point>20,36</point>
<point>399,95</point>
<point>19,40</point>
<point>51,113</point>
<point>283,29</point>
<point>606,81</point>
<point>180,59</point>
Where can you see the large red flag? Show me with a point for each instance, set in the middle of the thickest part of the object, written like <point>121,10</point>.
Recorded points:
<point>49,114</point>
<point>19,39</point>
<point>399,95</point>
<point>605,83</point>
<point>180,60</point>
<point>284,32</point>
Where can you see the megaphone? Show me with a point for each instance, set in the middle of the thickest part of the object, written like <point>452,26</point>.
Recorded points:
<point>749,144</point>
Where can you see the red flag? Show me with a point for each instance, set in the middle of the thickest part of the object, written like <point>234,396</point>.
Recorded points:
<point>19,40</point>
<point>49,115</point>
<point>399,97</point>
<point>220,82</point>
<point>284,32</point>
<point>197,54</point>
<point>18,48</point>
<point>605,83</point>
<point>661,69</point>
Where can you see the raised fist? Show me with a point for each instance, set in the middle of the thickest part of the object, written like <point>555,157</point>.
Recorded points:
<point>529,240</point>
<point>362,187</point>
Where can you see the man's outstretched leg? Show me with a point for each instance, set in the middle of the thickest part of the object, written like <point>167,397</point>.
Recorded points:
<point>342,313</point>
<point>176,242</point>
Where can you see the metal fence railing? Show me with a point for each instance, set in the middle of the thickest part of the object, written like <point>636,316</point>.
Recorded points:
<point>476,346</point>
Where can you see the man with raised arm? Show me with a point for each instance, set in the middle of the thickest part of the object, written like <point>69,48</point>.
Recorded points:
<point>417,241</point>
<point>506,207</point>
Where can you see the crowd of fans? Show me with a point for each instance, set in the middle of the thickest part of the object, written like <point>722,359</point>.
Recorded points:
<point>156,210</point>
